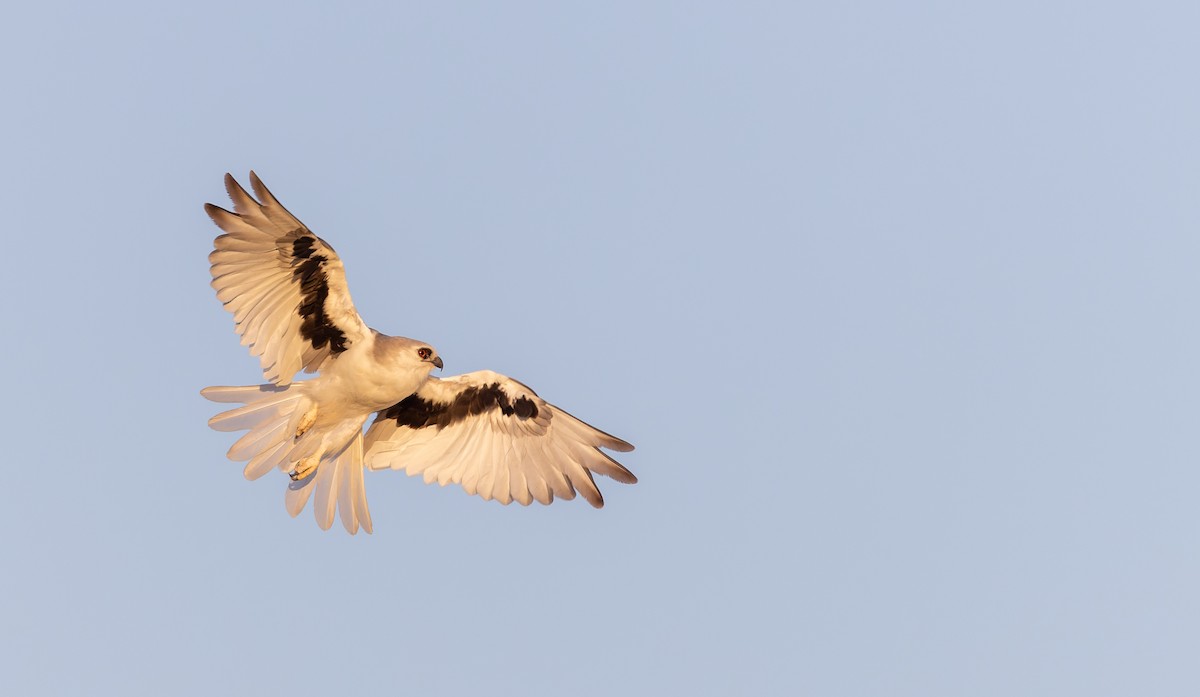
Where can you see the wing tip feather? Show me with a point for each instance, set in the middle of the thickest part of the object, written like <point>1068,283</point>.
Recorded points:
<point>618,445</point>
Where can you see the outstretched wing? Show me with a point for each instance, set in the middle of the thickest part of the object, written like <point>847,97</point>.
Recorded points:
<point>496,438</point>
<point>284,285</point>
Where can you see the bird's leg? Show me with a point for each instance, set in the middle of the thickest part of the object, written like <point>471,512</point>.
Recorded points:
<point>306,421</point>
<point>304,467</point>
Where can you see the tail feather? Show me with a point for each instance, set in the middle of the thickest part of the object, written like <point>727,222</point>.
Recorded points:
<point>325,500</point>
<point>243,394</point>
<point>352,495</point>
<point>267,460</point>
<point>297,495</point>
<point>257,440</point>
<point>255,413</point>
<point>271,414</point>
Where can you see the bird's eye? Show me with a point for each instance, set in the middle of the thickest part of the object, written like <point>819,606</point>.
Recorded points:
<point>424,353</point>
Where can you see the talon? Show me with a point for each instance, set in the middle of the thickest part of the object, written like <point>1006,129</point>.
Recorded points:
<point>303,468</point>
<point>306,421</point>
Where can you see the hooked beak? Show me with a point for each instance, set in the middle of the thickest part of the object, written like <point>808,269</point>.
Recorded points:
<point>437,360</point>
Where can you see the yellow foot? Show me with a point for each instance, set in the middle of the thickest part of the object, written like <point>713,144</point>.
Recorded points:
<point>306,421</point>
<point>304,468</point>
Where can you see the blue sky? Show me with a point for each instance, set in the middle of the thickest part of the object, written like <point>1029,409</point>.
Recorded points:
<point>896,301</point>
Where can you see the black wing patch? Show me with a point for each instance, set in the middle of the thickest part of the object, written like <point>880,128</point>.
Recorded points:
<point>314,286</point>
<point>416,412</point>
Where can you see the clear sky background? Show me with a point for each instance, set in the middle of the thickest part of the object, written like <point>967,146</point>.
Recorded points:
<point>897,301</point>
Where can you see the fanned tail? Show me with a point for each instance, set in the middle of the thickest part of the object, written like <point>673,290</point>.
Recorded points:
<point>336,486</point>
<point>271,416</point>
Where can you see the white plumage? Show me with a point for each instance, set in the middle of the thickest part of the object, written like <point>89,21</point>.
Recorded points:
<point>489,433</point>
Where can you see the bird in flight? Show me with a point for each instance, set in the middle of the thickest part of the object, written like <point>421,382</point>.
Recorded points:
<point>287,291</point>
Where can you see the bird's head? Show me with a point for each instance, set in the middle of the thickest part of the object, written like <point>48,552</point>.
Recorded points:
<point>406,354</point>
<point>427,355</point>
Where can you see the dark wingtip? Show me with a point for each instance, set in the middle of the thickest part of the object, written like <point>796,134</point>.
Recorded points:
<point>624,475</point>
<point>236,191</point>
<point>214,211</point>
<point>591,492</point>
<point>264,194</point>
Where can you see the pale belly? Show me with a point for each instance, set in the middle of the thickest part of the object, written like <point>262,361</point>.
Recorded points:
<point>355,387</point>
